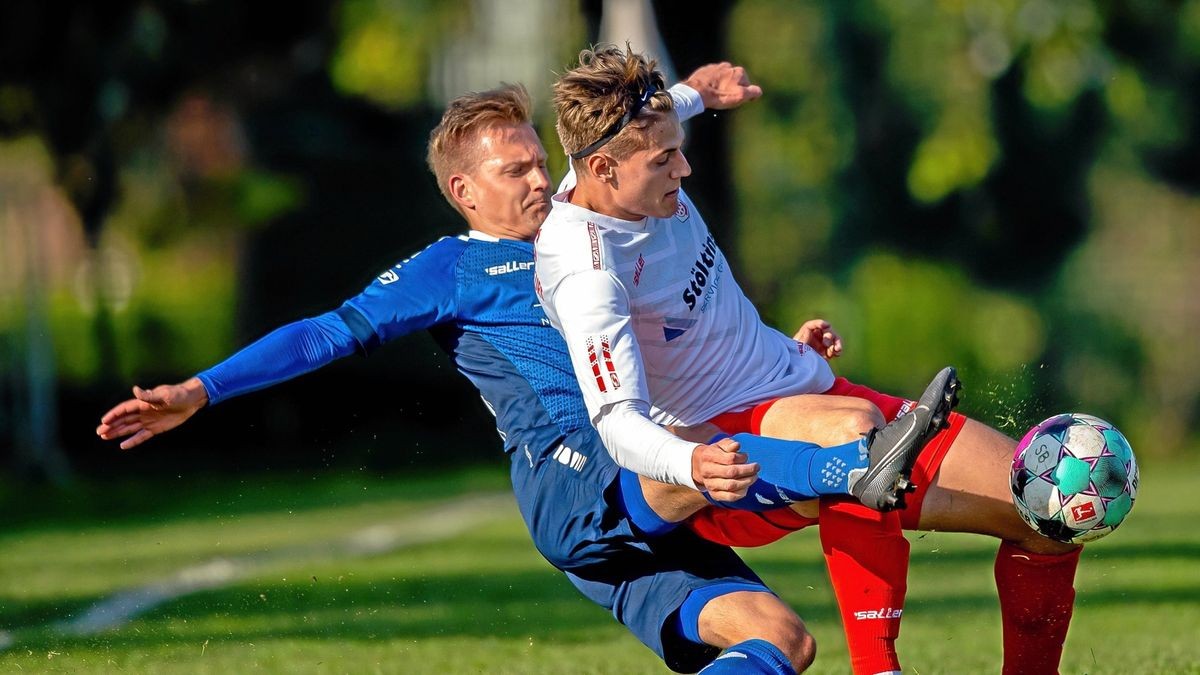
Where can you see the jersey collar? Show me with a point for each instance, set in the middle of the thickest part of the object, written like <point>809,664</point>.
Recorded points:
<point>575,212</point>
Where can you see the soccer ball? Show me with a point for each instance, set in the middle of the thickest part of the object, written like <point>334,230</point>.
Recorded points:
<point>1074,478</point>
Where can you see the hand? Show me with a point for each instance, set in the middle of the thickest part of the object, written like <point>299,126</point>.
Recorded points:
<point>723,85</point>
<point>819,335</point>
<point>152,412</point>
<point>722,471</point>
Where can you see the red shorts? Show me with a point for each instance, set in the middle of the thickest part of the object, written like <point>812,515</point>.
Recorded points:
<point>750,528</point>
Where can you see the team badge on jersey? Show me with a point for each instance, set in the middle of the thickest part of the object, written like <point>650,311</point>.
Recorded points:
<point>681,211</point>
<point>673,328</point>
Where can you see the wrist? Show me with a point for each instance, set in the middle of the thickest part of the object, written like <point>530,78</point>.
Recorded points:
<point>697,477</point>
<point>197,395</point>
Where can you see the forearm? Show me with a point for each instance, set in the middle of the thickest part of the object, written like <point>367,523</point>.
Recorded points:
<point>642,446</point>
<point>285,353</point>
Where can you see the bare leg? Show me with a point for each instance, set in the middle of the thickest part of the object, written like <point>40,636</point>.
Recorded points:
<point>746,615</point>
<point>672,503</point>
<point>824,420</point>
<point>970,492</point>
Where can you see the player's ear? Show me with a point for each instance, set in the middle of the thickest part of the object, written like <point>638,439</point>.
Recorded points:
<point>461,190</point>
<point>602,166</point>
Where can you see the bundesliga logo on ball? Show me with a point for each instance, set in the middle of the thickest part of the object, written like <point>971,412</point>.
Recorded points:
<point>1074,478</point>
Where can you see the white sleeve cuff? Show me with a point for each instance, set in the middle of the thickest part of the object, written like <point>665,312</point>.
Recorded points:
<point>642,446</point>
<point>688,102</point>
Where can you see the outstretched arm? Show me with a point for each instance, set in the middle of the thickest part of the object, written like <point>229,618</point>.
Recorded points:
<point>287,352</point>
<point>415,294</point>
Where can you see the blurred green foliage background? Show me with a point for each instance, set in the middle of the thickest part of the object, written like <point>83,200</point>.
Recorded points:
<point>1012,186</point>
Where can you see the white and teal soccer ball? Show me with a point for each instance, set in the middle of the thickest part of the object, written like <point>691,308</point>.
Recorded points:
<point>1074,478</point>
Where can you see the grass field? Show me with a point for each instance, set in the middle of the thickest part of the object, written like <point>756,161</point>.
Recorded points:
<point>299,597</point>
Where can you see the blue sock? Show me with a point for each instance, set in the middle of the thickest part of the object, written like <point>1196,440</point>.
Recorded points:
<point>634,504</point>
<point>751,656</point>
<point>791,471</point>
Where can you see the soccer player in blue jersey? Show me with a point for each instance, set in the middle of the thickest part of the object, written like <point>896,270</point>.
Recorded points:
<point>613,534</point>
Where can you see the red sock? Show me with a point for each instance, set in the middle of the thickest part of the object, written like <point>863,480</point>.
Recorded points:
<point>867,557</point>
<point>1037,594</point>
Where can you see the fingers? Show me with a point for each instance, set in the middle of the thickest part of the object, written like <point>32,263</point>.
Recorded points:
<point>832,343</point>
<point>728,466</point>
<point>153,396</point>
<point>731,446</point>
<point>111,431</point>
<point>732,488</point>
<point>130,407</point>
<point>808,328</point>
<point>137,439</point>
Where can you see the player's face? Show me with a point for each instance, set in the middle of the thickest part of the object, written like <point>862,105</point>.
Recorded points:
<point>648,180</point>
<point>509,188</point>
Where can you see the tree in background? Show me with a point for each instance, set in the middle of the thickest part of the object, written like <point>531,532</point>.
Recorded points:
<point>1013,183</point>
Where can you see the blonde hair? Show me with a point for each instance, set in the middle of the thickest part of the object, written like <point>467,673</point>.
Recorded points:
<point>591,99</point>
<point>453,146</point>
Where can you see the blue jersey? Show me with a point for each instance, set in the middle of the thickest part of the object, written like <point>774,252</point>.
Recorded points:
<point>476,297</point>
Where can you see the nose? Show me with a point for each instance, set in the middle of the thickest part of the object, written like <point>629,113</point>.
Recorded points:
<point>540,178</point>
<point>683,169</point>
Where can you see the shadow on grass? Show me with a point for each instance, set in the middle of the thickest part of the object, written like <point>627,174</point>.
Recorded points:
<point>460,605</point>
<point>375,608</point>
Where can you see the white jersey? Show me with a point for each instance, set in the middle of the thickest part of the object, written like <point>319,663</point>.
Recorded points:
<point>650,312</point>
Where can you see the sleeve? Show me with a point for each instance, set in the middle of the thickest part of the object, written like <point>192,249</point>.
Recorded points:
<point>415,294</point>
<point>688,102</point>
<point>286,352</point>
<point>658,454</point>
<point>593,313</point>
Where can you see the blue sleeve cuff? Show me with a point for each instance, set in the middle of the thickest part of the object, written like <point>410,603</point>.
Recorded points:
<point>360,328</point>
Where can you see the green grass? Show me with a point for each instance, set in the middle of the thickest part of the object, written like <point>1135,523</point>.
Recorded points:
<point>485,601</point>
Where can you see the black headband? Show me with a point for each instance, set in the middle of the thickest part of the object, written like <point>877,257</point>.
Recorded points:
<point>621,124</point>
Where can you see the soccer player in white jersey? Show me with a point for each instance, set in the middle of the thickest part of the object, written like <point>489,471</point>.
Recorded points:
<point>659,332</point>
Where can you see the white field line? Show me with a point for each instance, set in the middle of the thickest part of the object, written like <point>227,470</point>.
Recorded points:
<point>444,522</point>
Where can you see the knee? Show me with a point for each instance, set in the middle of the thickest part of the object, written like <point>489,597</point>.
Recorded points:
<point>800,648</point>
<point>1033,542</point>
<point>737,617</point>
<point>797,644</point>
<point>861,417</point>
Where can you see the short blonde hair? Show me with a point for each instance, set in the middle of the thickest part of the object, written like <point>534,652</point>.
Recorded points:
<point>453,146</point>
<point>592,98</point>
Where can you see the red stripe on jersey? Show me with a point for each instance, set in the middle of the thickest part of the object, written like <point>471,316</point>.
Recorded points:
<point>606,354</point>
<point>591,348</point>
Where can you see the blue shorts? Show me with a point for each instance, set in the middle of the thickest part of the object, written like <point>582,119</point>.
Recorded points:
<point>574,513</point>
<point>646,595</point>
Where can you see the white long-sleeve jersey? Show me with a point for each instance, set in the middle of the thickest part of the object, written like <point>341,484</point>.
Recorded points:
<point>659,331</point>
